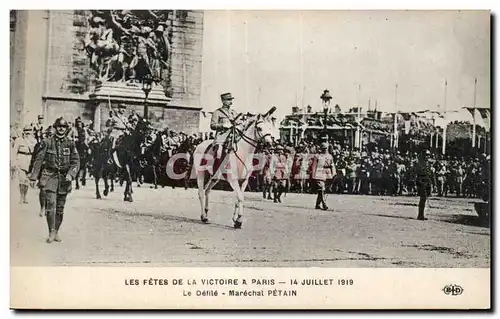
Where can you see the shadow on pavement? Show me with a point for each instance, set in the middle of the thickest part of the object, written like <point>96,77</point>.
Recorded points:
<point>394,216</point>
<point>166,218</point>
<point>468,220</point>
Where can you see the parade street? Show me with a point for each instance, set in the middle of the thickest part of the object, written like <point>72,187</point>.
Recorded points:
<point>162,228</point>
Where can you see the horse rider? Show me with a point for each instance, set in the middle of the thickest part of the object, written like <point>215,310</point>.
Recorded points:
<point>221,122</point>
<point>119,125</point>
<point>55,167</point>
<point>424,182</point>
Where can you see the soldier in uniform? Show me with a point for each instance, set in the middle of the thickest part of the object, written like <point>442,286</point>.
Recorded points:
<point>424,182</point>
<point>38,129</point>
<point>280,173</point>
<point>55,166</point>
<point>323,170</point>
<point>118,125</point>
<point>22,152</point>
<point>41,195</point>
<point>222,121</point>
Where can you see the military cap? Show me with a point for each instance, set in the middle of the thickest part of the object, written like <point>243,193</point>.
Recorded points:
<point>226,96</point>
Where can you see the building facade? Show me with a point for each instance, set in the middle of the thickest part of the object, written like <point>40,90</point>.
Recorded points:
<point>52,74</point>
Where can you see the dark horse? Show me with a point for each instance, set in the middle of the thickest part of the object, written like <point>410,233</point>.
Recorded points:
<point>150,157</point>
<point>127,152</point>
<point>102,165</point>
<point>159,154</point>
<point>83,152</point>
<point>184,163</point>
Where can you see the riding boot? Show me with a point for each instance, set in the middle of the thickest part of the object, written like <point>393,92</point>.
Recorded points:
<point>51,223</point>
<point>421,208</point>
<point>318,200</point>
<point>323,203</point>
<point>270,190</point>
<point>59,219</point>
<point>280,191</point>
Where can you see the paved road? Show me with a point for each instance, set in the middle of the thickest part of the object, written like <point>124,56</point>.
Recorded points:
<point>162,228</point>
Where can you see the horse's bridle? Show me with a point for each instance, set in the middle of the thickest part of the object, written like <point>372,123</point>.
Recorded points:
<point>248,139</point>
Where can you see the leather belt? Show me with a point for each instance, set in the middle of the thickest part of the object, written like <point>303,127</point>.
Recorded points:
<point>57,170</point>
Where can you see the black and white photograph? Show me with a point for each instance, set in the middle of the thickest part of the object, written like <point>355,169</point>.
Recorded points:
<point>286,139</point>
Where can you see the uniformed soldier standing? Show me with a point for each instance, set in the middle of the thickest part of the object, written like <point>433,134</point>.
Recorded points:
<point>22,152</point>
<point>323,169</point>
<point>280,173</point>
<point>38,129</point>
<point>424,182</point>
<point>60,162</point>
<point>222,121</point>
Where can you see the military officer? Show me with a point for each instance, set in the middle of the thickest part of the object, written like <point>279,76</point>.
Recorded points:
<point>323,170</point>
<point>222,121</point>
<point>280,173</point>
<point>424,182</point>
<point>55,166</point>
<point>38,129</point>
<point>119,124</point>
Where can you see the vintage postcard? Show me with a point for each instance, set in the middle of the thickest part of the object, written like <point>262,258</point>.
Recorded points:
<point>250,159</point>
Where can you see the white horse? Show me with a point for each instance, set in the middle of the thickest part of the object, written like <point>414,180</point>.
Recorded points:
<point>245,137</point>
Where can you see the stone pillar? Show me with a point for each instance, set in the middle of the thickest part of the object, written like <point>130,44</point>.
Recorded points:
<point>29,60</point>
<point>97,118</point>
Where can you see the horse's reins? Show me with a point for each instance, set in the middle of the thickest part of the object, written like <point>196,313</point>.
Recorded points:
<point>243,136</point>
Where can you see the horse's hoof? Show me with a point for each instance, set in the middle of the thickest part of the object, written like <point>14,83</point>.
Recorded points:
<point>151,187</point>
<point>105,192</point>
<point>156,186</point>
<point>237,225</point>
<point>204,220</point>
<point>77,187</point>
<point>98,196</point>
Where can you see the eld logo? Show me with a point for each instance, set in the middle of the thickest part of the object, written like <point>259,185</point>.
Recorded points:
<point>454,290</point>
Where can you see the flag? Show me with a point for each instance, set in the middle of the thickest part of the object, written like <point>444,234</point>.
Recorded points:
<point>486,118</point>
<point>471,111</point>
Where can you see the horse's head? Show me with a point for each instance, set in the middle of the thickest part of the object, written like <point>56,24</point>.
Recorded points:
<point>265,127</point>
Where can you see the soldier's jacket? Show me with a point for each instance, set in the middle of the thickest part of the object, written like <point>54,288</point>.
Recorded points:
<point>424,173</point>
<point>56,159</point>
<point>279,167</point>
<point>38,132</point>
<point>119,121</point>
<point>221,119</point>
<point>323,167</point>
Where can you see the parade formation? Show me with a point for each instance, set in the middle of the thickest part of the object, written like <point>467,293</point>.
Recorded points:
<point>245,153</point>
<point>316,188</point>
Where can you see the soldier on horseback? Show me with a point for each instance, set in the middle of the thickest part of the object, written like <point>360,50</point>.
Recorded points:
<point>119,125</point>
<point>222,122</point>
